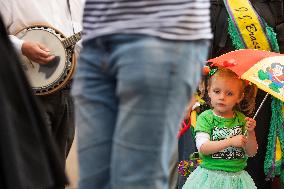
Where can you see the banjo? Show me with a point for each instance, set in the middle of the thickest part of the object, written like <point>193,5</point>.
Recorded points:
<point>48,78</point>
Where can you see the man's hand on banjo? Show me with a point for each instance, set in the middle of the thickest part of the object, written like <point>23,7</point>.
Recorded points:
<point>37,52</point>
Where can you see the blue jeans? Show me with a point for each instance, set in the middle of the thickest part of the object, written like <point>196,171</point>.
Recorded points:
<point>130,93</point>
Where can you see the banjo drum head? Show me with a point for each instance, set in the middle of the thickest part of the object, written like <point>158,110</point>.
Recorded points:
<point>46,79</point>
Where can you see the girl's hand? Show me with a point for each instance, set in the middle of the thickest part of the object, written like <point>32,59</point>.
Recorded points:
<point>238,141</point>
<point>250,124</point>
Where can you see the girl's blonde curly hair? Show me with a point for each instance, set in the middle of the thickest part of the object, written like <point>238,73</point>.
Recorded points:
<point>247,105</point>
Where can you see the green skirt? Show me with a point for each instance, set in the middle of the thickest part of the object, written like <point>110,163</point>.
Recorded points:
<point>202,178</point>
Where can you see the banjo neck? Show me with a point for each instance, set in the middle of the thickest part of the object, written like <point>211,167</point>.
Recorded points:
<point>72,40</point>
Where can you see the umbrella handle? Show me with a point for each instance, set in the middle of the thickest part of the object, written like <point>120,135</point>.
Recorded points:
<point>260,106</point>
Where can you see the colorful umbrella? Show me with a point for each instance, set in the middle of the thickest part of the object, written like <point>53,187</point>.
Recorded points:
<point>264,69</point>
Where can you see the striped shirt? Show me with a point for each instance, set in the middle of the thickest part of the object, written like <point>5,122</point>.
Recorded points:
<point>168,19</point>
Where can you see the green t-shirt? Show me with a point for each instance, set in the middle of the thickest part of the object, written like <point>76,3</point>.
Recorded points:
<point>231,159</point>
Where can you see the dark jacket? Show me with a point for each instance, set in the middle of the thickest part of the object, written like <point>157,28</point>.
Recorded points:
<point>270,10</point>
<point>28,156</point>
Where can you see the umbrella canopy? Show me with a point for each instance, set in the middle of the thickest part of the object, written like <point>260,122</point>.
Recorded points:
<point>263,68</point>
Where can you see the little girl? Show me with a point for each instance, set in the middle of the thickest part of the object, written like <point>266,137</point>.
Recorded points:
<point>220,138</point>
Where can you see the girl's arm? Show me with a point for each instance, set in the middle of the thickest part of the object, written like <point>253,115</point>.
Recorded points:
<point>251,145</point>
<point>208,147</point>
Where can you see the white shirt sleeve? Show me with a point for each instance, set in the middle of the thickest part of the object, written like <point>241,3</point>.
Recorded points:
<point>201,138</point>
<point>17,43</point>
<point>6,12</point>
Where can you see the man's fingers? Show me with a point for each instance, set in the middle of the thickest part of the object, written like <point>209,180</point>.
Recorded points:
<point>44,54</point>
<point>46,60</point>
<point>44,48</point>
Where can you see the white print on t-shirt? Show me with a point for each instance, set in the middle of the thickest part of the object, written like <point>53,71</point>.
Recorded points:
<point>223,133</point>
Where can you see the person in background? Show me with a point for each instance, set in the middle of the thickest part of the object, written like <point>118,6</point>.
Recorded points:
<point>139,65</point>
<point>186,136</point>
<point>64,16</point>
<point>29,157</point>
<point>220,137</point>
<point>272,13</point>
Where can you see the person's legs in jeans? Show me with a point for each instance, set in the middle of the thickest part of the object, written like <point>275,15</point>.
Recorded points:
<point>130,93</point>
<point>95,115</point>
